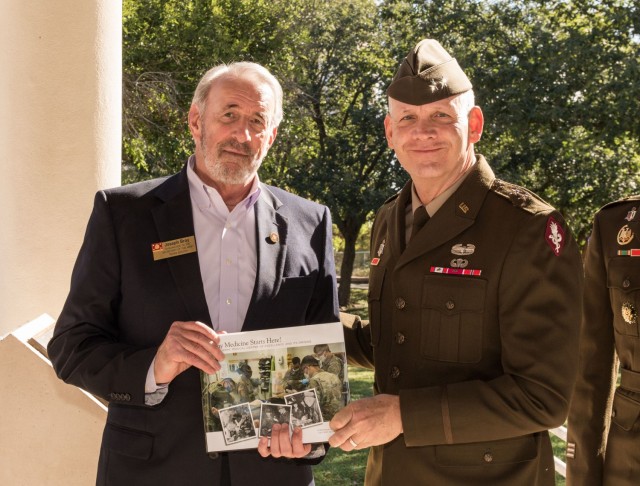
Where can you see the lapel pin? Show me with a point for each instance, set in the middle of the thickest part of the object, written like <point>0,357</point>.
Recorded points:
<point>376,260</point>
<point>631,214</point>
<point>273,237</point>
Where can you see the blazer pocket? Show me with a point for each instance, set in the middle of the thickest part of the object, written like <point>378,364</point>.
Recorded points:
<point>452,318</point>
<point>508,451</point>
<point>128,442</point>
<point>625,411</point>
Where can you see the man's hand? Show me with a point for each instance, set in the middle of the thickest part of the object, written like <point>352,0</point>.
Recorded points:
<point>187,344</point>
<point>367,422</point>
<point>282,445</point>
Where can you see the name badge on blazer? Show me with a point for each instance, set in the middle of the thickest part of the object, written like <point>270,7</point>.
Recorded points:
<point>173,248</point>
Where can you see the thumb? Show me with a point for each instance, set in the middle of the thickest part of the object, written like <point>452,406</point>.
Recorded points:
<point>342,418</point>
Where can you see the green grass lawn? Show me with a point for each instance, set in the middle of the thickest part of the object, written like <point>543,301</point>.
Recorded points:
<point>347,468</point>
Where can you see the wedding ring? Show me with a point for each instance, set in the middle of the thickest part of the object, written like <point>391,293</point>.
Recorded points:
<point>353,442</point>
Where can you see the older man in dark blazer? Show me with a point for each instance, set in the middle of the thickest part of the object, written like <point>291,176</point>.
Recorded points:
<point>168,264</point>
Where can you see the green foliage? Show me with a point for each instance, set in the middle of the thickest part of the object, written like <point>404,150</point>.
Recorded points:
<point>557,81</point>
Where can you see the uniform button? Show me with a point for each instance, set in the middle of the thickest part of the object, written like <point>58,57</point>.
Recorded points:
<point>626,283</point>
<point>395,372</point>
<point>488,457</point>
<point>450,304</point>
<point>400,303</point>
<point>613,413</point>
<point>400,338</point>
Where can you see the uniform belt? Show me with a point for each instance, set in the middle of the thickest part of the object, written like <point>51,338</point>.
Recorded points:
<point>630,380</point>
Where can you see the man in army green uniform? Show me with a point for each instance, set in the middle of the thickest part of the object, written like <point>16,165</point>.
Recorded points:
<point>246,390</point>
<point>293,378</point>
<point>328,387</point>
<point>603,430</point>
<point>475,293</point>
<point>328,361</point>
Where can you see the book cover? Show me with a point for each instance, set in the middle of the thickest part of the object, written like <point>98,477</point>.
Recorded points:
<point>263,382</point>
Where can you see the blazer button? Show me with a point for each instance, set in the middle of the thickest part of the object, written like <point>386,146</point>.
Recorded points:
<point>450,305</point>
<point>395,372</point>
<point>400,303</point>
<point>400,338</point>
<point>626,283</point>
<point>488,457</point>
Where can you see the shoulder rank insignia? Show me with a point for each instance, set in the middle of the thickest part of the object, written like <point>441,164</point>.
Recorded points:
<point>554,236</point>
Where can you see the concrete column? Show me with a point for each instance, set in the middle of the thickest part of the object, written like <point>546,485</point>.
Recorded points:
<point>60,139</point>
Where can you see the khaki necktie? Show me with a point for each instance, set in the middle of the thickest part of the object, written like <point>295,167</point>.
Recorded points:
<point>420,218</point>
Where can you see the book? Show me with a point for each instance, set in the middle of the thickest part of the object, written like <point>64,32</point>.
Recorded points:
<point>259,385</point>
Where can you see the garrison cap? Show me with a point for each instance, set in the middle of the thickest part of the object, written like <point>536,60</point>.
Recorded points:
<point>428,74</point>
<point>310,361</point>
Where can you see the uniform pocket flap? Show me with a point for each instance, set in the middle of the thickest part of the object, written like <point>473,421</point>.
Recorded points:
<point>625,411</point>
<point>452,295</point>
<point>623,273</point>
<point>128,442</point>
<point>520,449</point>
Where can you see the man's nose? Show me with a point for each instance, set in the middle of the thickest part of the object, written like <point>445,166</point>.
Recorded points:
<point>242,131</point>
<point>424,129</point>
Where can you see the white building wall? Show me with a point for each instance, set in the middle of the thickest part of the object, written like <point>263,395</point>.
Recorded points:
<point>60,139</point>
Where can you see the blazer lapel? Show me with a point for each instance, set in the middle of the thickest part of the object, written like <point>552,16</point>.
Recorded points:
<point>271,233</point>
<point>174,219</point>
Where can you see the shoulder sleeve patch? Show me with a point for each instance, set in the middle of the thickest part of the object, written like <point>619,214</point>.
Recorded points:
<point>554,236</point>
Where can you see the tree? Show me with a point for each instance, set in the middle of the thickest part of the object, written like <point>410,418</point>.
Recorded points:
<point>558,82</point>
<point>332,146</point>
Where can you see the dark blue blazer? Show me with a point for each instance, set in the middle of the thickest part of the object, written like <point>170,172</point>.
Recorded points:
<point>122,303</point>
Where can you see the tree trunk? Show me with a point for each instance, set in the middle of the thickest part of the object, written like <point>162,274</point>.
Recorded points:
<point>346,268</point>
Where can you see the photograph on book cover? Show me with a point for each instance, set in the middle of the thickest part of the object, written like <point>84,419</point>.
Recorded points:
<point>295,375</point>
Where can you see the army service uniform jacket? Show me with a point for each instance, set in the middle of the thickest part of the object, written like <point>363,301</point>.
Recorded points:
<point>609,340</point>
<point>475,326</point>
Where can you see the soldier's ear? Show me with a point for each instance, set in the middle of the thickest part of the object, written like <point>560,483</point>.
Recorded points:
<point>476,124</point>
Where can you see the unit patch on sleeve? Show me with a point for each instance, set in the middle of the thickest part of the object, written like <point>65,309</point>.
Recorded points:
<point>554,236</point>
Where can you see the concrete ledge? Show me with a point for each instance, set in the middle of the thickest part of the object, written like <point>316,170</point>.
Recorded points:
<point>50,432</point>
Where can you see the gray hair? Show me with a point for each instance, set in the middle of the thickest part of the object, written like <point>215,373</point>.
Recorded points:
<point>465,101</point>
<point>249,71</point>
